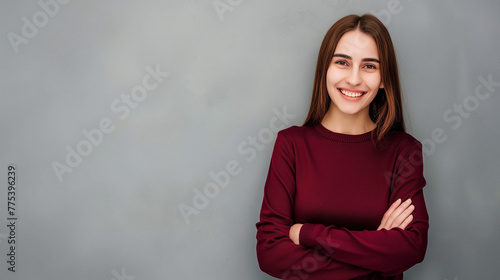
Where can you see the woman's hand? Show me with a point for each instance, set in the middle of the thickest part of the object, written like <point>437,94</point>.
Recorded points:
<point>398,215</point>
<point>294,233</point>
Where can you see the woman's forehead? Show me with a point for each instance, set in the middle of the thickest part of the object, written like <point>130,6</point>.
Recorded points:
<point>357,44</point>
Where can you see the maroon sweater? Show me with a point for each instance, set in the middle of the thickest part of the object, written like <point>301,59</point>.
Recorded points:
<point>339,186</point>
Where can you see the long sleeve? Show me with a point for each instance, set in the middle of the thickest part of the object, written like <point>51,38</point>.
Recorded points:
<point>277,254</point>
<point>388,251</point>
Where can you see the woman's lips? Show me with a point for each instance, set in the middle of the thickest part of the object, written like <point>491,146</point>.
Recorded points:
<point>351,95</point>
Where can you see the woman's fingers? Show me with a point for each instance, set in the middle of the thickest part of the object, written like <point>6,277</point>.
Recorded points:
<point>403,216</point>
<point>388,213</point>
<point>394,215</point>
<point>398,215</point>
<point>406,222</point>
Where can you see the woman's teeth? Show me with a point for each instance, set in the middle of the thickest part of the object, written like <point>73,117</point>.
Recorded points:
<point>351,94</point>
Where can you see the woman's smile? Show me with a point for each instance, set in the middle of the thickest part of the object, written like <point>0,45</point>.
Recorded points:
<point>352,94</point>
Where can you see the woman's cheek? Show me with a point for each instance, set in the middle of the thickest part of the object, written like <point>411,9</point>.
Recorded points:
<point>375,81</point>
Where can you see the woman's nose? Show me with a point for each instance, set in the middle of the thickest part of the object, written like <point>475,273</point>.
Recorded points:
<point>354,77</point>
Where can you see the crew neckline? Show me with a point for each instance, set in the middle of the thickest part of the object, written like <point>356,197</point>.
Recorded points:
<point>341,137</point>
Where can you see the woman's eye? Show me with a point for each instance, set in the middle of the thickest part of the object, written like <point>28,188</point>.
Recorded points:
<point>369,66</point>
<point>341,62</point>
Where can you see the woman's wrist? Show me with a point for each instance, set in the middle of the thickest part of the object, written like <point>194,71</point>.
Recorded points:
<point>294,233</point>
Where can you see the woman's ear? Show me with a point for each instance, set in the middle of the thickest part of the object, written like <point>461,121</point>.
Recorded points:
<point>381,85</point>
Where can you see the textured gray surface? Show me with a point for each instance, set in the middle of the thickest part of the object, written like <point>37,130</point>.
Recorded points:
<point>117,212</point>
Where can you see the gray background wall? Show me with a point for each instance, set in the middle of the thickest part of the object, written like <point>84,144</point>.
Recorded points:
<point>116,215</point>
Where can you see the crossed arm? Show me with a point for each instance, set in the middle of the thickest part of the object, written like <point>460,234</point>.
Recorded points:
<point>398,215</point>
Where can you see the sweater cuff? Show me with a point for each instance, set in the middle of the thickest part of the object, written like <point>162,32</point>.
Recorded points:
<point>306,236</point>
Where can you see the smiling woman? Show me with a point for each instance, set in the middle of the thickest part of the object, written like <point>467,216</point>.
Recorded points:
<point>343,197</point>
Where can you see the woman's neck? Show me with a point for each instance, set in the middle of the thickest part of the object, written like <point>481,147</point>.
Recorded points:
<point>337,121</point>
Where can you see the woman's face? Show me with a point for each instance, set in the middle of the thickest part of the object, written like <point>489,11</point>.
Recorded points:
<point>353,77</point>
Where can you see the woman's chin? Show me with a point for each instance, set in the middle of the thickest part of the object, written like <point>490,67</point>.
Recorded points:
<point>350,110</point>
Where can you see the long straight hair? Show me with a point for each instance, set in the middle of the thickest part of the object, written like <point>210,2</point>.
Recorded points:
<point>386,108</point>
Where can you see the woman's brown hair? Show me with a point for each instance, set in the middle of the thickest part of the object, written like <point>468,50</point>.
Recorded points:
<point>386,109</point>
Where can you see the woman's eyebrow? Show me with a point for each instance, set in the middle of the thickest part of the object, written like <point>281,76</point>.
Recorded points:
<point>348,57</point>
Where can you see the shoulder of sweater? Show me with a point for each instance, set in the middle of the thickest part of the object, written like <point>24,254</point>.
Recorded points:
<point>294,133</point>
<point>403,140</point>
